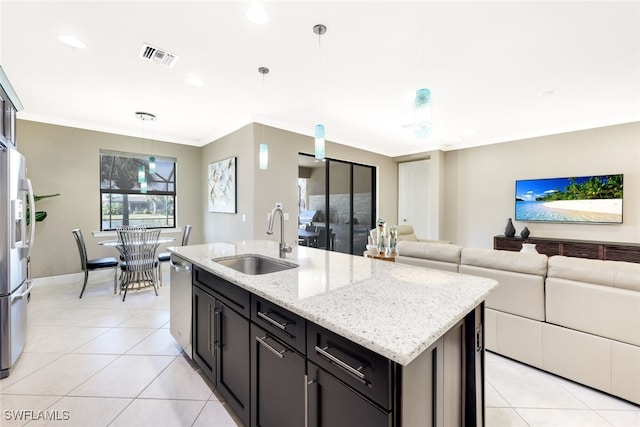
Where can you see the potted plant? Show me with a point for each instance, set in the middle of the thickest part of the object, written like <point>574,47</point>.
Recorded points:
<point>40,215</point>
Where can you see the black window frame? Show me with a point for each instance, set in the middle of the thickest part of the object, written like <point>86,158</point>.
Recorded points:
<point>170,191</point>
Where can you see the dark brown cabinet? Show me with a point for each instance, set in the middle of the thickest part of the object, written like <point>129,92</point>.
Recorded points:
<point>277,382</point>
<point>611,251</point>
<point>276,369</point>
<point>204,327</point>
<point>221,338</point>
<point>333,403</point>
<point>232,361</point>
<point>359,368</point>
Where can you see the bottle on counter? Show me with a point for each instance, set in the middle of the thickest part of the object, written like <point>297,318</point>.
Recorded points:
<point>393,239</point>
<point>381,227</point>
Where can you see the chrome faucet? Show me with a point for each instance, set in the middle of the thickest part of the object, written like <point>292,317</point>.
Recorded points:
<point>284,249</point>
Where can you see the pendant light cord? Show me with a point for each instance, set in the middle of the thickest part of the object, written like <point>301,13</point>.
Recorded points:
<point>263,107</point>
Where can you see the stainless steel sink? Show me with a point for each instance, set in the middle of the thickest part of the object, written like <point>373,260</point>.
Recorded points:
<point>254,264</point>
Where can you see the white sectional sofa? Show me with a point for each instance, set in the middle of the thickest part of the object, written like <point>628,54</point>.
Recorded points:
<point>577,318</point>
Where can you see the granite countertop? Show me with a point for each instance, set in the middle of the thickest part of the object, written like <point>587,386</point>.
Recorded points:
<point>395,310</point>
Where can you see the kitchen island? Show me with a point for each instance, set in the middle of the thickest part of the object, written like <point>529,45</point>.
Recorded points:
<point>368,341</point>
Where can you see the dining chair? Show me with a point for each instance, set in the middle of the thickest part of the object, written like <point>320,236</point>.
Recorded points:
<point>166,256</point>
<point>325,238</point>
<point>93,264</point>
<point>138,248</point>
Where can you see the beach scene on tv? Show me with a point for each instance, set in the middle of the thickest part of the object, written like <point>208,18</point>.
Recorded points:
<point>576,199</point>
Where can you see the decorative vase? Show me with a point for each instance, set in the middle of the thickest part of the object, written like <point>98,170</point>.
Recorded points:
<point>524,233</point>
<point>509,230</point>
<point>529,248</point>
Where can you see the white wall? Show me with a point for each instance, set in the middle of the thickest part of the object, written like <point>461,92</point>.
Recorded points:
<point>480,183</point>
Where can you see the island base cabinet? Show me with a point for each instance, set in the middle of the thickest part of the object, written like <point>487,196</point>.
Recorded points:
<point>277,382</point>
<point>332,403</point>
<point>233,361</point>
<point>444,385</point>
<point>204,327</point>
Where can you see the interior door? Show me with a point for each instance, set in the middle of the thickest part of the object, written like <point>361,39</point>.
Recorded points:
<point>413,197</point>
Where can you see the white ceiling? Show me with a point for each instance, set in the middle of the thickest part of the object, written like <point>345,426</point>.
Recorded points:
<point>498,71</point>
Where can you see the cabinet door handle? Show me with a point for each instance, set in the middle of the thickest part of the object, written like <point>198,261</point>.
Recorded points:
<point>216,326</point>
<point>274,322</point>
<point>262,341</point>
<point>209,326</point>
<point>311,400</point>
<point>344,365</point>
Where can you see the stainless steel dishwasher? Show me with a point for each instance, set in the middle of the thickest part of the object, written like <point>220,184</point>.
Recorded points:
<point>180,303</point>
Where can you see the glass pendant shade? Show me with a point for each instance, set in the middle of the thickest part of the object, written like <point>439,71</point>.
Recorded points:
<point>143,185</point>
<point>141,174</point>
<point>264,156</point>
<point>152,165</point>
<point>422,113</point>
<point>319,142</point>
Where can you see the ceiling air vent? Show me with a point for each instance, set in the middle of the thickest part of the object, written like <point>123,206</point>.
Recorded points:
<point>159,56</point>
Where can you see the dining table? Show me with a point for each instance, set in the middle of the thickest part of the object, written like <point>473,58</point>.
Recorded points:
<point>115,242</point>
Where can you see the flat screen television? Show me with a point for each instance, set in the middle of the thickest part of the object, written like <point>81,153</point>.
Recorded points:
<point>583,199</point>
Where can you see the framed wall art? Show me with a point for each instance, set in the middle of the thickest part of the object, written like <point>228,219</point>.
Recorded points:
<point>222,186</point>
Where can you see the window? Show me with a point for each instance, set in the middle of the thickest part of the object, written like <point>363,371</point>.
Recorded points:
<point>121,199</point>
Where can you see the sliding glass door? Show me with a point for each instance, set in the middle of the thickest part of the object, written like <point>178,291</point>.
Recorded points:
<point>337,204</point>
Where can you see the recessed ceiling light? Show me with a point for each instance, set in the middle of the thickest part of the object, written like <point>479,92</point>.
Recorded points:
<point>256,14</point>
<point>546,93</point>
<point>71,41</point>
<point>194,81</point>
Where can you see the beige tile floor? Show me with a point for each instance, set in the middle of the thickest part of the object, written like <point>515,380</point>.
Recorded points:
<point>103,362</point>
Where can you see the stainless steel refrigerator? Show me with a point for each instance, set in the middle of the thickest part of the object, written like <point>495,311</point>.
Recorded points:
<point>16,238</point>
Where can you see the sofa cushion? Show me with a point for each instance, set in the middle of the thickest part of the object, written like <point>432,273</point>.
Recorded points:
<point>619,274</point>
<point>518,293</point>
<point>595,309</point>
<point>435,251</point>
<point>519,262</point>
<point>406,233</point>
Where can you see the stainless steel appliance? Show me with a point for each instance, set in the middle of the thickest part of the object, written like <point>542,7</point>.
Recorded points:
<point>180,303</point>
<point>15,243</point>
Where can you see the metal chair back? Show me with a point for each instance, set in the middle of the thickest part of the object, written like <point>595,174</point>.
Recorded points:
<point>77,234</point>
<point>185,234</point>
<point>139,249</point>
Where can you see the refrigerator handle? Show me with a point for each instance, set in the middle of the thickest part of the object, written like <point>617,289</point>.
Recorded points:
<point>32,219</point>
<point>30,284</point>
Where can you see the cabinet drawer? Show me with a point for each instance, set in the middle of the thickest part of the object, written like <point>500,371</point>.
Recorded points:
<point>581,250</point>
<point>367,372</point>
<point>232,295</point>
<point>622,253</point>
<point>288,327</point>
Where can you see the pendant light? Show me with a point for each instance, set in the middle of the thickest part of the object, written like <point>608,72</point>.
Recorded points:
<point>319,143</point>
<point>422,102</point>
<point>264,147</point>
<point>142,178</point>
<point>422,113</point>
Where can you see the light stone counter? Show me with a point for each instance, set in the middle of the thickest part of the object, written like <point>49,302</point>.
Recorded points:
<point>395,310</point>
